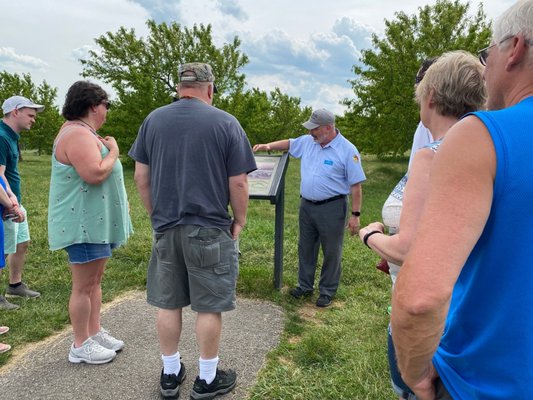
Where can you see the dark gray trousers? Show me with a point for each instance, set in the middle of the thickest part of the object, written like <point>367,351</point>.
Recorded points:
<point>321,225</point>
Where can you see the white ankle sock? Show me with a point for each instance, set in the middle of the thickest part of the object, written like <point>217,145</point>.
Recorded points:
<point>171,364</point>
<point>208,369</point>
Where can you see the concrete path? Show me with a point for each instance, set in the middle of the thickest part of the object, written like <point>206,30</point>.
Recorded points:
<point>42,371</point>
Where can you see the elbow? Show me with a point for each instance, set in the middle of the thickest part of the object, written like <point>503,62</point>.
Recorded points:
<point>421,303</point>
<point>239,183</point>
<point>96,179</point>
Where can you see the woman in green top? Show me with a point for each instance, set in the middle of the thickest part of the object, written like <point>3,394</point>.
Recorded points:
<point>87,214</point>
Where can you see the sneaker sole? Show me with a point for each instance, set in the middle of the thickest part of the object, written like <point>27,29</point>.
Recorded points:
<point>77,360</point>
<point>209,396</point>
<point>9,308</point>
<point>172,393</point>
<point>22,297</point>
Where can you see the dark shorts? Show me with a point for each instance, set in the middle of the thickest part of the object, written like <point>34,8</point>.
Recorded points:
<point>81,253</point>
<point>193,265</point>
<point>399,386</point>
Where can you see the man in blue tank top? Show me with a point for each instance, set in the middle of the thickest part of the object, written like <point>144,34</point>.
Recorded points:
<point>462,306</point>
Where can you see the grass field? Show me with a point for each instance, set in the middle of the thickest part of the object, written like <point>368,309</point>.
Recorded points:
<point>333,353</point>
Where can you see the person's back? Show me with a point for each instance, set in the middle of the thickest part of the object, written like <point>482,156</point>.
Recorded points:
<point>491,309</point>
<point>192,160</point>
<point>192,146</point>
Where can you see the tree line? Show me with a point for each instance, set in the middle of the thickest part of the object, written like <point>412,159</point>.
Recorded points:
<point>380,119</point>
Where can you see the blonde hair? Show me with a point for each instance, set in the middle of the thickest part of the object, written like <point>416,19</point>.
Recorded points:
<point>456,84</point>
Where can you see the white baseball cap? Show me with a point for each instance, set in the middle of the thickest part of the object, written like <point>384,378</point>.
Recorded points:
<point>18,102</point>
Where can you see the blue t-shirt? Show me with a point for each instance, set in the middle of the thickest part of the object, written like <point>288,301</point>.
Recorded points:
<point>326,171</point>
<point>486,351</point>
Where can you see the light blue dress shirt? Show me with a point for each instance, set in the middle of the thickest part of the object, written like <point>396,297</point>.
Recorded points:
<point>327,171</point>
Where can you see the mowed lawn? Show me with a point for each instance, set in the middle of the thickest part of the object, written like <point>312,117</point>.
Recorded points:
<point>333,353</point>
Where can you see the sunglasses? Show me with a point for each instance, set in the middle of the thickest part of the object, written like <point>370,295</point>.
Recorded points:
<point>483,54</point>
<point>106,104</point>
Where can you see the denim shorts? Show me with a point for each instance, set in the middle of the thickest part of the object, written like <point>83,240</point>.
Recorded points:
<point>81,253</point>
<point>400,387</point>
<point>193,265</point>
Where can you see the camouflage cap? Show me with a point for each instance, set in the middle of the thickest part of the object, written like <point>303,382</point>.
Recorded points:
<point>202,72</point>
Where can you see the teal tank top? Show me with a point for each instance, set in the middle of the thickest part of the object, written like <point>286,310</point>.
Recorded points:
<point>82,213</point>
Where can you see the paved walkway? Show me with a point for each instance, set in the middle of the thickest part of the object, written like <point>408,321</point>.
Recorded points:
<point>43,370</point>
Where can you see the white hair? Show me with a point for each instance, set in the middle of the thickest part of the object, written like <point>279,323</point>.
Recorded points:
<point>516,19</point>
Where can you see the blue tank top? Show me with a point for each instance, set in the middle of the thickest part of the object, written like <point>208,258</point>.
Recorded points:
<point>486,351</point>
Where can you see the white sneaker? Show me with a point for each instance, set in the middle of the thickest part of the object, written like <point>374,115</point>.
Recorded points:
<point>90,352</point>
<point>103,338</point>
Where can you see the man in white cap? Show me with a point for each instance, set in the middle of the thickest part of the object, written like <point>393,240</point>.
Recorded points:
<point>330,171</point>
<point>19,115</point>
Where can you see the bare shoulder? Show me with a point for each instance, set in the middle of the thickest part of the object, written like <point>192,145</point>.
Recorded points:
<point>468,143</point>
<point>78,135</point>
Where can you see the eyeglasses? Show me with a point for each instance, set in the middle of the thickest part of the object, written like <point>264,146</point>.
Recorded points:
<point>106,104</point>
<point>483,54</point>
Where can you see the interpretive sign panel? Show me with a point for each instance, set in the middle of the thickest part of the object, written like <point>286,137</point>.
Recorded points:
<point>267,182</point>
<point>264,182</point>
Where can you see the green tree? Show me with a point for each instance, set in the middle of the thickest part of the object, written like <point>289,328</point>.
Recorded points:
<point>383,116</point>
<point>43,132</point>
<point>144,72</point>
<point>267,117</point>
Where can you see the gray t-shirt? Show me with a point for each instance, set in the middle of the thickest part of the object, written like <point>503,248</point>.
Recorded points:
<point>192,149</point>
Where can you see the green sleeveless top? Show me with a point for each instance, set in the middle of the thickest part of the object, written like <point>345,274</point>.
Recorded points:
<point>82,213</point>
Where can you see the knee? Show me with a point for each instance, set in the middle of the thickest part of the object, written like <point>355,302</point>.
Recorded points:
<point>85,286</point>
<point>22,248</point>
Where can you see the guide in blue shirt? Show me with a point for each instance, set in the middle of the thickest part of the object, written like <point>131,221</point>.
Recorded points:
<point>331,171</point>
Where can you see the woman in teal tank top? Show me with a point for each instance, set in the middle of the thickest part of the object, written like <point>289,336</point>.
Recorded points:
<point>87,214</point>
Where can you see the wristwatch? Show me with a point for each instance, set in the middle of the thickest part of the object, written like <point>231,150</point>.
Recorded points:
<point>356,213</point>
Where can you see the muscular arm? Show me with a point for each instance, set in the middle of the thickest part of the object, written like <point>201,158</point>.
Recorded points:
<point>394,248</point>
<point>280,145</point>
<point>238,197</point>
<point>455,213</point>
<point>142,181</point>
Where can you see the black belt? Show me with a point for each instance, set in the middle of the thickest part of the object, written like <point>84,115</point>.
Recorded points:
<point>318,202</point>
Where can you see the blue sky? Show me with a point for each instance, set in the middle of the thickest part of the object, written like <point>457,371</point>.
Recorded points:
<point>306,48</point>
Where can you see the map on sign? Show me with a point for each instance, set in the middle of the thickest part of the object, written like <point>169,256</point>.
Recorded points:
<point>260,181</point>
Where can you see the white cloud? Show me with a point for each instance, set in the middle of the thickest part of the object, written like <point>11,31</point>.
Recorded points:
<point>232,8</point>
<point>8,56</point>
<point>82,53</point>
<point>161,10</point>
<point>302,47</point>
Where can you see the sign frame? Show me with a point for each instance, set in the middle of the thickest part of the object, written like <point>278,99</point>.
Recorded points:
<point>268,183</point>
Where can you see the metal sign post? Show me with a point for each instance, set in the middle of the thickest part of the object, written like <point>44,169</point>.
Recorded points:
<point>268,183</point>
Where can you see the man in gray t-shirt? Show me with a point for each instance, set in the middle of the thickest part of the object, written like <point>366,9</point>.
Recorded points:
<point>192,160</point>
